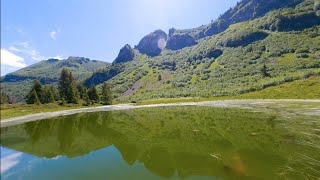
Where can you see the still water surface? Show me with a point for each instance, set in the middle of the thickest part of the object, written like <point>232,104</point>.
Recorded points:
<point>164,143</point>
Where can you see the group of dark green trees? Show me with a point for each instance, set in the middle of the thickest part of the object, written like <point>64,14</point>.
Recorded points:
<point>68,91</point>
<point>42,95</point>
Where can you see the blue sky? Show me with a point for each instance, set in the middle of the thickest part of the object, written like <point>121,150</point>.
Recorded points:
<point>35,30</point>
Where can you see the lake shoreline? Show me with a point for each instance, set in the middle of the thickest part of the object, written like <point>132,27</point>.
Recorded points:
<point>248,103</point>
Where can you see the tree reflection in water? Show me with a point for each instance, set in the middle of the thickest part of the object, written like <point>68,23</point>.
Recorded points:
<point>189,141</point>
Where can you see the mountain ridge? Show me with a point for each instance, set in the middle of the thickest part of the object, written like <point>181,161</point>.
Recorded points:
<point>48,72</point>
<point>232,55</point>
<point>254,42</point>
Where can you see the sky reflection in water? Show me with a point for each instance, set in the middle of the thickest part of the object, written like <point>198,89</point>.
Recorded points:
<point>160,143</point>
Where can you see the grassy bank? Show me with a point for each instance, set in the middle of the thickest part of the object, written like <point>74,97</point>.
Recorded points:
<point>15,110</point>
<point>301,89</point>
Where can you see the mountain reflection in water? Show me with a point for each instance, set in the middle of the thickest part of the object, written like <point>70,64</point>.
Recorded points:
<point>182,141</point>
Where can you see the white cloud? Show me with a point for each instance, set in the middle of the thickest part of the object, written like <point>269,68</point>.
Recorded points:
<point>25,49</point>
<point>24,44</point>
<point>10,59</point>
<point>53,35</point>
<point>57,57</point>
<point>9,161</point>
<point>36,55</point>
<point>13,48</point>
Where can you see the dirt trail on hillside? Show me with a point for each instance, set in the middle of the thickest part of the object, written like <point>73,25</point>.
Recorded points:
<point>303,107</point>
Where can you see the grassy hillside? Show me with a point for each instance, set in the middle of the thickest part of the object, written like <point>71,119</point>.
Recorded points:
<point>17,84</point>
<point>301,89</point>
<point>280,47</point>
<point>255,45</point>
<point>245,10</point>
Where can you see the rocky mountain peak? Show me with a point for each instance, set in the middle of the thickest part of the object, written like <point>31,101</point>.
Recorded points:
<point>125,54</point>
<point>153,43</point>
<point>171,31</point>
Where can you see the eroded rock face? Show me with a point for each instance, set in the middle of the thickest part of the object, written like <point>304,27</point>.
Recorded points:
<point>294,23</point>
<point>153,43</point>
<point>244,40</point>
<point>214,53</point>
<point>126,54</point>
<point>247,10</point>
<point>52,60</point>
<point>178,41</point>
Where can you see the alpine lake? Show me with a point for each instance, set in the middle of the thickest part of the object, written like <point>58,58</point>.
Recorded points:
<point>269,141</point>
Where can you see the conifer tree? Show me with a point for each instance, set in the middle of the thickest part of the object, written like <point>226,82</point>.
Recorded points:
<point>67,86</point>
<point>82,90</point>
<point>86,99</point>
<point>62,102</point>
<point>64,83</point>
<point>47,96</point>
<point>32,98</point>
<point>93,94</point>
<point>106,94</point>
<point>36,93</point>
<point>73,89</point>
<point>38,88</point>
<point>55,93</point>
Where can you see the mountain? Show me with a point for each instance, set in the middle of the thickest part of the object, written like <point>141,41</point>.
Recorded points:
<point>254,45</point>
<point>244,11</point>
<point>48,71</point>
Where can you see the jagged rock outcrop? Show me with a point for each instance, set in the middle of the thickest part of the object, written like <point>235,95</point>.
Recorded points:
<point>52,60</point>
<point>104,75</point>
<point>178,41</point>
<point>98,78</point>
<point>244,39</point>
<point>247,10</point>
<point>295,22</point>
<point>214,53</point>
<point>126,54</point>
<point>153,43</point>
